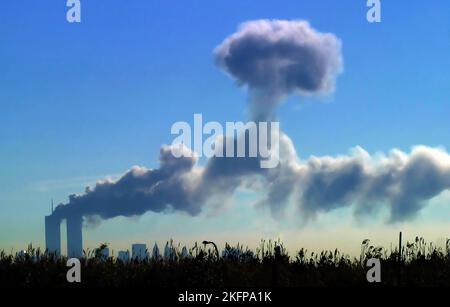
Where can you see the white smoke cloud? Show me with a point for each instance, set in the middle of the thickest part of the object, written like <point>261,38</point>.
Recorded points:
<point>275,59</point>
<point>403,182</point>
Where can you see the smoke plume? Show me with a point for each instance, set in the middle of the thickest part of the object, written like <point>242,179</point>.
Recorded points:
<point>275,59</point>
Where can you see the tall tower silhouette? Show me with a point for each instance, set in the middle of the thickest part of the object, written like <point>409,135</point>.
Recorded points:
<point>74,236</point>
<point>52,235</point>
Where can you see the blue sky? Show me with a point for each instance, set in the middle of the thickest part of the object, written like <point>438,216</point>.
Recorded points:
<point>79,102</point>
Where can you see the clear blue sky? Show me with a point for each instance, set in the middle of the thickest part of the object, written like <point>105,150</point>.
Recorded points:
<point>79,102</point>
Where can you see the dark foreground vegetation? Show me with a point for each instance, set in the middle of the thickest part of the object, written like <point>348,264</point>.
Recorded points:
<point>420,264</point>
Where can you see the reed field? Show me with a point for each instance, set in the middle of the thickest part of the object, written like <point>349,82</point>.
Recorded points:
<point>269,265</point>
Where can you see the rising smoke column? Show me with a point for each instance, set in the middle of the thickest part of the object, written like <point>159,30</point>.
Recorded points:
<point>274,59</point>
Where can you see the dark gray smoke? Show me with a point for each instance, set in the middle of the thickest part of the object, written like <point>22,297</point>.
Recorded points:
<point>138,191</point>
<point>403,182</point>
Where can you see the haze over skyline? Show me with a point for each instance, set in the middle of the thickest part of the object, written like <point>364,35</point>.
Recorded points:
<point>87,101</point>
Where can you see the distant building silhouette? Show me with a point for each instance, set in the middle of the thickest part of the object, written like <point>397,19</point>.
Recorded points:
<point>105,252</point>
<point>102,253</point>
<point>123,256</point>
<point>74,237</point>
<point>139,251</point>
<point>52,235</point>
